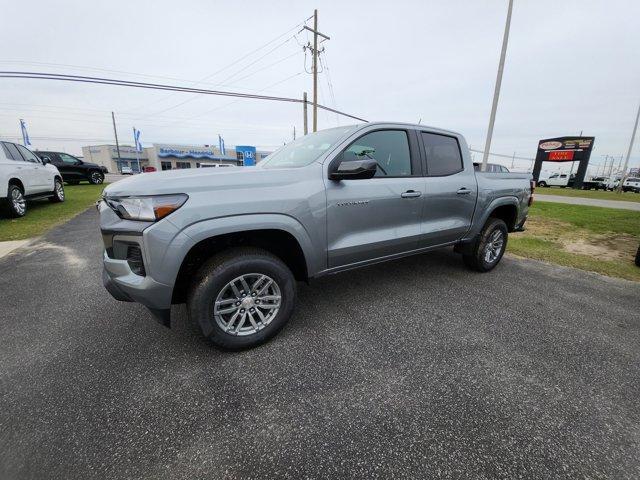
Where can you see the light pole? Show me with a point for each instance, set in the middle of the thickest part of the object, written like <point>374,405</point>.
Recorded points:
<point>626,160</point>
<point>496,91</point>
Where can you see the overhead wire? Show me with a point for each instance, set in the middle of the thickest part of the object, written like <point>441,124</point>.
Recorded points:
<point>156,86</point>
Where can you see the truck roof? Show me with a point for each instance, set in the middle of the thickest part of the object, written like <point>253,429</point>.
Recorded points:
<point>412,125</point>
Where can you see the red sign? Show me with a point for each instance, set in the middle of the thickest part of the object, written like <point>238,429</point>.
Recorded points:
<point>561,155</point>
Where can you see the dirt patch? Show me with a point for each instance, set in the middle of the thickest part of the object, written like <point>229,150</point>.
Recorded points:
<point>581,241</point>
<point>603,247</point>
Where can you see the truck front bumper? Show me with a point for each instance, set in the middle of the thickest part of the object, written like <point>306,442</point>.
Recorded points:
<point>126,286</point>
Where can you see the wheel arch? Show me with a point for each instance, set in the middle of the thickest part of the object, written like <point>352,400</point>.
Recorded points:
<point>16,181</point>
<point>289,244</point>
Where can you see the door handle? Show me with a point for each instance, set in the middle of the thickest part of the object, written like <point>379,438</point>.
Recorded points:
<point>463,191</point>
<point>410,194</point>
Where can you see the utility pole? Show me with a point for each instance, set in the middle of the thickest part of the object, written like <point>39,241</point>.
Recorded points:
<point>294,132</point>
<point>513,158</point>
<point>496,92</point>
<point>314,67</point>
<point>115,132</point>
<point>626,160</point>
<point>304,111</point>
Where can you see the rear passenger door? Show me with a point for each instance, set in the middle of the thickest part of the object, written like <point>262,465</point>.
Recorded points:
<point>42,176</point>
<point>23,170</point>
<point>451,190</point>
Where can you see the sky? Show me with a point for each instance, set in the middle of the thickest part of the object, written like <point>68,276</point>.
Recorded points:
<point>571,67</point>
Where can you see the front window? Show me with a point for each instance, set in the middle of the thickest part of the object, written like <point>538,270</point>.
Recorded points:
<point>305,150</point>
<point>68,159</point>
<point>390,150</point>
<point>28,155</point>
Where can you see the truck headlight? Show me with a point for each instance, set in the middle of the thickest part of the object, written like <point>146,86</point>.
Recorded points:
<point>147,209</point>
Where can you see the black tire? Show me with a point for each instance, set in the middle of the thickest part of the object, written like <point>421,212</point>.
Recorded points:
<point>542,184</point>
<point>214,277</point>
<point>638,257</point>
<point>477,259</point>
<point>16,204</point>
<point>58,192</point>
<point>95,177</point>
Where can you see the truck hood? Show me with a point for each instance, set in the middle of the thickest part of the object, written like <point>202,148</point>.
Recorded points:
<point>200,180</point>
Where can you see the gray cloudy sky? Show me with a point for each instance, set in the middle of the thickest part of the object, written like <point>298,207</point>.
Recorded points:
<point>571,66</point>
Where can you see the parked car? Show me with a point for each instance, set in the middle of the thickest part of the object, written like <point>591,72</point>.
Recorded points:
<point>596,183</point>
<point>23,176</point>
<point>562,180</point>
<point>73,169</point>
<point>491,168</point>
<point>149,169</point>
<point>232,242</point>
<point>631,184</point>
<point>612,183</point>
<point>126,170</point>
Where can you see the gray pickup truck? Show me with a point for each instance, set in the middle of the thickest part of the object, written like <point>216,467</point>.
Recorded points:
<point>232,243</point>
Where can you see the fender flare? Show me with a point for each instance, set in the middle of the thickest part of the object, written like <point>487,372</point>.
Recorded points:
<point>495,203</point>
<point>197,232</point>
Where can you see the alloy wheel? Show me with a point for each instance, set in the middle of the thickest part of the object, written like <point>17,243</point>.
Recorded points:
<point>494,246</point>
<point>247,304</point>
<point>18,201</point>
<point>96,178</point>
<point>59,191</point>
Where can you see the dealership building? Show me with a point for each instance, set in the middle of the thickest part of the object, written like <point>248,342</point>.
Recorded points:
<point>170,157</point>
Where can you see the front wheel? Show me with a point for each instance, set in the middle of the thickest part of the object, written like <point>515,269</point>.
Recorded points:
<point>241,298</point>
<point>96,178</point>
<point>542,184</point>
<point>489,247</point>
<point>58,192</point>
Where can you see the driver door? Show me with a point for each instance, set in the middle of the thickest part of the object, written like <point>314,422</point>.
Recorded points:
<point>377,217</point>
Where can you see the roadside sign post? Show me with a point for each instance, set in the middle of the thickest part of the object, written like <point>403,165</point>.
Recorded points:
<point>565,149</point>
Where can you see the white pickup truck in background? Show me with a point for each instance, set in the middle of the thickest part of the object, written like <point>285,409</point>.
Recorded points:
<point>23,176</point>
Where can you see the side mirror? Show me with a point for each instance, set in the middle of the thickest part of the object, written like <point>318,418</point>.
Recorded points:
<point>353,168</point>
<point>45,160</point>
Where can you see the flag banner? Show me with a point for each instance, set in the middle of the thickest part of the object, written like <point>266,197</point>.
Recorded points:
<point>25,135</point>
<point>136,139</point>
<point>221,146</point>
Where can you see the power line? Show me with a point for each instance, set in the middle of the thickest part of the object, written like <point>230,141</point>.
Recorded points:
<point>222,83</point>
<point>156,86</point>
<point>501,155</point>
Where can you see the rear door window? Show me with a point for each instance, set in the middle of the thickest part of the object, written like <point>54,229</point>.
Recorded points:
<point>14,154</point>
<point>443,154</point>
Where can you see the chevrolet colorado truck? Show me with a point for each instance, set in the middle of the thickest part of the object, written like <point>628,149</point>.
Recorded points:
<point>232,243</point>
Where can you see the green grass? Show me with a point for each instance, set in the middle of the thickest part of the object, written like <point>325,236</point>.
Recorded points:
<point>553,226</point>
<point>42,215</point>
<point>594,219</point>
<point>597,194</point>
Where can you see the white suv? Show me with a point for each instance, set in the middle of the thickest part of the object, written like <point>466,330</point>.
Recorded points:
<point>23,176</point>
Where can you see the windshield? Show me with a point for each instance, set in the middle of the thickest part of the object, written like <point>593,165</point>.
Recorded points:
<point>305,150</point>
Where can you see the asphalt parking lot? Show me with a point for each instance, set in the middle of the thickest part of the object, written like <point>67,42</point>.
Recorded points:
<point>417,368</point>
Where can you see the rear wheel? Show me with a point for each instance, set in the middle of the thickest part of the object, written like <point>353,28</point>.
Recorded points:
<point>96,177</point>
<point>241,298</point>
<point>16,203</point>
<point>489,247</point>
